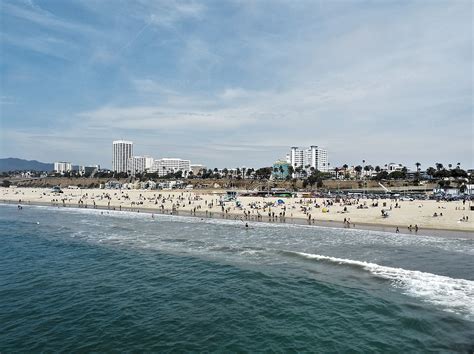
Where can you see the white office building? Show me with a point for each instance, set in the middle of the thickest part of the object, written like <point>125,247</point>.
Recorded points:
<point>314,156</point>
<point>165,166</point>
<point>137,164</point>
<point>62,167</point>
<point>122,152</point>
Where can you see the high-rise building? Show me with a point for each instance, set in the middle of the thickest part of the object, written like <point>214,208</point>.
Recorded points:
<point>314,156</point>
<point>62,167</point>
<point>122,152</point>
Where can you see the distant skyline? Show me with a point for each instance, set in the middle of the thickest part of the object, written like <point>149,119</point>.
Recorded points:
<point>233,83</point>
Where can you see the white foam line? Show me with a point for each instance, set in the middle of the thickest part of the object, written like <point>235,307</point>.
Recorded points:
<point>204,219</point>
<point>393,237</point>
<point>453,295</point>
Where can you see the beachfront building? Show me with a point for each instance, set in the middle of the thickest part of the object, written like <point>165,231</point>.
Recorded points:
<point>122,152</point>
<point>314,156</point>
<point>166,166</point>
<point>280,169</point>
<point>137,164</point>
<point>62,167</point>
<point>196,169</point>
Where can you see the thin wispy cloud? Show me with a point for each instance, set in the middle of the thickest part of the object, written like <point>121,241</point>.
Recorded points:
<point>381,81</point>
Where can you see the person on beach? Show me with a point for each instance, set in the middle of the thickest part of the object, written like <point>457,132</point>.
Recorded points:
<point>397,230</point>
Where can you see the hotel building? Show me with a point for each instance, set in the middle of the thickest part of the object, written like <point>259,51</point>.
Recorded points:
<point>122,152</point>
<point>165,166</point>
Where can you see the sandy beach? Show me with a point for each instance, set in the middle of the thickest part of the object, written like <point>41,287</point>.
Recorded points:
<point>452,216</point>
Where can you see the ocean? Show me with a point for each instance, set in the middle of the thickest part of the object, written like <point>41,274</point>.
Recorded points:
<point>89,280</point>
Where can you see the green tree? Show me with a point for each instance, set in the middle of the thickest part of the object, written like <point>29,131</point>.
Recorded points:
<point>291,170</point>
<point>430,171</point>
<point>263,173</point>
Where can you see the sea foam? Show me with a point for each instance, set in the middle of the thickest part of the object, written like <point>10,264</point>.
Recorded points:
<point>453,295</point>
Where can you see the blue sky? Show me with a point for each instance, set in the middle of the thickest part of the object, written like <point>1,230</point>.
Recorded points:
<point>235,83</point>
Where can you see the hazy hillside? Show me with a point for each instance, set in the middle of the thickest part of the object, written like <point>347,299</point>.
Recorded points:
<point>13,164</point>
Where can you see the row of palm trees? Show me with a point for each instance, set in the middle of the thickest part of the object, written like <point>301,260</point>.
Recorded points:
<point>369,168</point>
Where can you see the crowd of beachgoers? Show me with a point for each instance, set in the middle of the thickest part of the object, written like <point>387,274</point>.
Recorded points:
<point>348,211</point>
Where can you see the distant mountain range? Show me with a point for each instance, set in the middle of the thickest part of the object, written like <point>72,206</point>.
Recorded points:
<point>14,164</point>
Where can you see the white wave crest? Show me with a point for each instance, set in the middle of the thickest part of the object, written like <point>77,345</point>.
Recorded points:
<point>453,295</point>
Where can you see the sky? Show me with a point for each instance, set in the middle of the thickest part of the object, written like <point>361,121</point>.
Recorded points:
<point>236,83</point>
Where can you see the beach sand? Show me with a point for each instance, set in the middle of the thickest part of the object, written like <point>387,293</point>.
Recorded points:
<point>294,210</point>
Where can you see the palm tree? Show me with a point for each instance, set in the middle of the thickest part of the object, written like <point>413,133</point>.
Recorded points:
<point>418,166</point>
<point>430,171</point>
<point>439,166</point>
<point>450,165</point>
<point>291,170</point>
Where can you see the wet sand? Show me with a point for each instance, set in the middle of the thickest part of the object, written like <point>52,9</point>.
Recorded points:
<point>363,214</point>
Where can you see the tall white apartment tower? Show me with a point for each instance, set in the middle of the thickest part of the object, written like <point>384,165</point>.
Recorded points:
<point>318,158</point>
<point>296,157</point>
<point>122,152</point>
<point>313,157</point>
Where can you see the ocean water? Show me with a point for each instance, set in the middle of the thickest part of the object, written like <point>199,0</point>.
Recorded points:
<point>86,280</point>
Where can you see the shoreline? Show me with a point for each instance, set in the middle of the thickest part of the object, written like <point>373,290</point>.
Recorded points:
<point>361,226</point>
